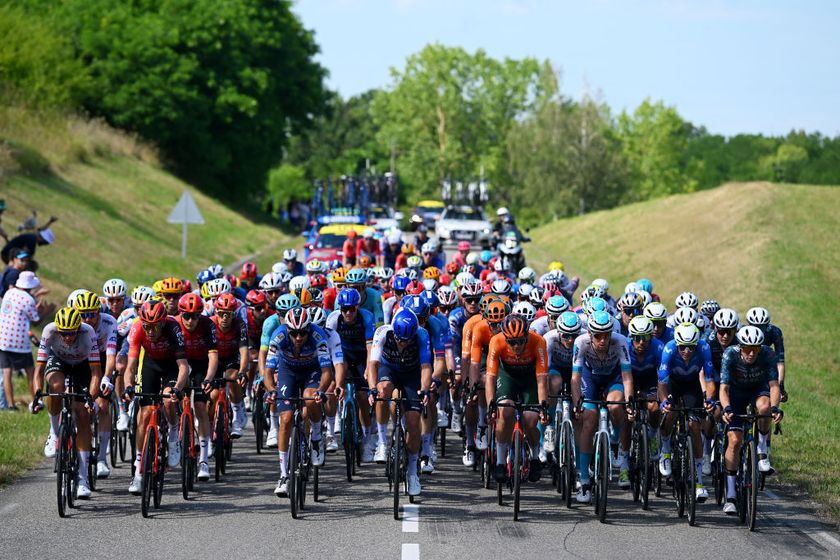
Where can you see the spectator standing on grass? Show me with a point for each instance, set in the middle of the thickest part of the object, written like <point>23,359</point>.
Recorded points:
<point>18,263</point>
<point>28,242</point>
<point>18,310</point>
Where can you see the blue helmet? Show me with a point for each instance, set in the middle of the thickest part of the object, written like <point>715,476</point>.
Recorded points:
<point>204,276</point>
<point>430,298</point>
<point>286,302</point>
<point>349,297</point>
<point>401,283</point>
<point>597,304</point>
<point>645,284</point>
<point>356,276</point>
<point>568,323</point>
<point>600,322</point>
<point>405,323</point>
<point>416,304</point>
<point>485,256</point>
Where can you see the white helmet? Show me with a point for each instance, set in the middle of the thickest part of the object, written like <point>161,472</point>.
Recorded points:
<point>72,297</point>
<point>640,326</point>
<point>218,286</point>
<point>368,234</point>
<point>601,283</point>
<point>525,290</point>
<point>217,270</point>
<point>315,266</point>
<point>394,238</point>
<point>463,278</point>
<point>686,334</point>
<point>685,315</point>
<point>114,288</point>
<point>502,211</point>
<point>687,299</point>
<point>511,247</point>
<point>656,311</point>
<point>726,318</point>
<point>299,282</point>
<point>472,258</point>
<point>270,281</point>
<point>632,287</point>
<point>318,316</point>
<point>430,284</point>
<point>289,255</point>
<point>527,275</point>
<point>501,287</point>
<point>525,309</point>
<point>427,247</point>
<point>758,316</point>
<point>646,298</point>
<point>279,268</point>
<point>413,262</point>
<point>142,294</point>
<point>750,335</point>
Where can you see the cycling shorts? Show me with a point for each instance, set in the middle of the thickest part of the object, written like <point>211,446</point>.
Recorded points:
<point>291,384</point>
<point>408,382</point>
<point>226,365</point>
<point>521,389</point>
<point>356,375</point>
<point>198,372</point>
<point>77,374</point>
<point>597,387</point>
<point>740,398</point>
<point>690,392</point>
<point>154,375</point>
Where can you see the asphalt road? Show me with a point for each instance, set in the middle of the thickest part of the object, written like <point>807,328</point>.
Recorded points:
<point>240,517</point>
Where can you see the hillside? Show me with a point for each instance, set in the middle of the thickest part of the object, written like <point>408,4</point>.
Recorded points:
<point>743,245</point>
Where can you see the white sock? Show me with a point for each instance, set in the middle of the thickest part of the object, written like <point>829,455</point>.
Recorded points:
<point>666,444</point>
<point>383,433</point>
<point>470,435</point>
<point>411,468</point>
<point>275,420</point>
<point>762,443</point>
<point>284,458</point>
<point>54,424</point>
<point>173,433</point>
<point>730,486</point>
<point>316,431</point>
<point>84,459</point>
<point>698,466</point>
<point>104,444</point>
<point>535,450</point>
<point>204,447</point>
<point>331,426</point>
<point>624,457</point>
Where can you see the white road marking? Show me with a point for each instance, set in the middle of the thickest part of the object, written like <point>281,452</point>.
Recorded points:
<point>826,537</point>
<point>411,518</point>
<point>410,551</point>
<point>9,508</point>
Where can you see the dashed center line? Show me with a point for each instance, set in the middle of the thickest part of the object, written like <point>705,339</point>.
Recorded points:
<point>411,518</point>
<point>410,551</point>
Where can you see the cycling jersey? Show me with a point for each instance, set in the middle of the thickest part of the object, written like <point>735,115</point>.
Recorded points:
<point>445,334</point>
<point>168,346</point>
<point>717,353</point>
<point>481,336</point>
<point>404,368</point>
<point>201,341</point>
<point>559,357</point>
<point>83,348</point>
<point>255,328</point>
<point>738,374</point>
<point>531,362</point>
<point>229,343</point>
<point>773,337</point>
<point>355,337</point>
<point>673,366</point>
<point>270,325</point>
<point>438,334</point>
<point>645,368</point>
<point>540,325</point>
<point>388,309</point>
<point>666,336</point>
<point>313,356</point>
<point>372,303</point>
<point>587,362</point>
<point>106,335</point>
<point>330,296</point>
<point>467,336</point>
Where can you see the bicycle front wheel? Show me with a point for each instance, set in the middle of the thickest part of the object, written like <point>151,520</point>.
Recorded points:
<point>397,467</point>
<point>62,481</point>
<point>602,475</point>
<point>294,470</point>
<point>147,470</point>
<point>219,442</point>
<point>258,419</point>
<point>94,452</point>
<point>517,471</point>
<point>568,472</point>
<point>678,476</point>
<point>186,453</point>
<point>751,476</point>
<point>690,483</point>
<point>643,465</point>
<point>348,441</point>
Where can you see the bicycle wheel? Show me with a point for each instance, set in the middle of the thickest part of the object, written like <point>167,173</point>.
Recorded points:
<point>114,434</point>
<point>348,441</point>
<point>517,471</point>
<point>602,476</point>
<point>751,477</point>
<point>305,446</point>
<point>678,477</point>
<point>690,482</point>
<point>160,469</point>
<point>61,467</point>
<point>568,472</point>
<point>147,472</point>
<point>258,419</point>
<point>132,435</point>
<point>488,460</point>
<point>219,442</point>
<point>72,472</point>
<point>293,470</point>
<point>644,467</point>
<point>186,455</point>
<point>397,467</point>
<point>718,476</point>
<point>635,464</point>
<point>94,452</point>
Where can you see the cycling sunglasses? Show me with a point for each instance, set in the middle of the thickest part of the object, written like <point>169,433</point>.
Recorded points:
<point>190,316</point>
<point>68,334</point>
<point>631,311</point>
<point>517,341</point>
<point>298,333</point>
<point>89,314</point>
<point>224,314</point>
<point>348,309</point>
<point>686,347</point>
<point>172,296</point>
<point>565,336</point>
<point>472,300</point>
<point>640,337</point>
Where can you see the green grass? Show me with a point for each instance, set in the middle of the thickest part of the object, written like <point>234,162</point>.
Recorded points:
<point>743,245</point>
<point>21,437</point>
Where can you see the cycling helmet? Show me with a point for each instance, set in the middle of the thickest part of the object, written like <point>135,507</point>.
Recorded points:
<point>408,249</point>
<point>191,303</point>
<point>469,269</point>
<point>591,292</point>
<point>286,302</point>
<point>568,323</point>
<point>527,275</point>
<point>289,255</point>
<point>452,268</point>
<point>430,284</point>
<point>640,326</point>
<point>758,317</point>
<point>339,275</point>
<point>537,297</point>
<point>463,278</point>
<point>114,288</point>
<point>255,298</point>
<point>431,299</point>
<point>68,319</point>
<point>427,247</point>
<point>685,315</point>
<point>217,287</point>
<point>709,308</point>
<point>630,300</point>
<point>349,297</point>
<point>314,266</point>
<point>646,298</point>
<point>249,270</point>
<point>500,287</point>
<point>686,334</point>
<point>525,309</point>
<point>645,285</point>
<point>414,262</point>
<point>410,273</point>
<point>501,265</point>
<point>379,273</point>
<point>515,326</point>
<point>87,302</point>
<point>472,259</point>
<point>416,305</point>
<point>471,289</point>
<point>463,245</point>
<point>318,316</point>
<point>317,297</point>
<point>303,295</point>
<point>431,273</point>
<point>404,324</point>
<point>687,299</point>
<point>447,296</point>
<point>216,270</point>
<point>631,287</point>
<point>601,283</point>
<point>286,277</point>
<point>171,285</point>
<point>187,285</point>
<point>204,276</point>
<point>401,283</point>
<point>270,281</point>
<point>298,282</point>
<point>556,305</point>
<point>226,302</point>
<point>600,322</point>
<point>279,268</point>
<point>365,262</point>
<point>298,319</point>
<point>725,318</point>
<point>656,311</point>
<point>141,295</point>
<point>596,304</point>
<point>485,256</point>
<point>495,311</point>
<point>153,311</point>
<point>524,291</point>
<point>555,265</point>
<point>318,281</point>
<point>750,335</point>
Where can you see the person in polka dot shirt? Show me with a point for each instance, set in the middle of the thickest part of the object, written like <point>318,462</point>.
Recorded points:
<point>17,311</point>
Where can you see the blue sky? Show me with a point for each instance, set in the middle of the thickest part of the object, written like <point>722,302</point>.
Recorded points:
<point>734,66</point>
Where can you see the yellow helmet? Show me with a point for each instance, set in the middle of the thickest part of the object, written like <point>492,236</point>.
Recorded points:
<point>158,287</point>
<point>86,302</point>
<point>555,265</point>
<point>68,319</point>
<point>171,285</point>
<point>338,275</point>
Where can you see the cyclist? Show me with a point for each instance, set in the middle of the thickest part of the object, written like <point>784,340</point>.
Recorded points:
<point>725,323</point>
<point>658,315</point>
<point>355,327</point>
<point>69,352</point>
<point>470,295</point>
<point>232,346</point>
<point>156,352</point>
<point>748,376</point>
<point>773,337</point>
<point>88,305</point>
<point>115,296</point>
<point>299,356</point>
<point>248,278</point>
<point>645,357</point>
<point>369,298</point>
<point>684,372</point>
<point>139,296</point>
<point>337,277</point>
<point>554,308</point>
<point>406,251</point>
<point>517,372</point>
<point>560,345</point>
<point>630,305</point>
<point>258,310</point>
<point>400,358</point>
<point>294,266</point>
<point>400,286</point>
<point>171,289</point>
<point>601,365</point>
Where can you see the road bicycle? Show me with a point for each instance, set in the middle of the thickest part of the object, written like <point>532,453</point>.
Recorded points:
<point>641,463</point>
<point>396,465</point>
<point>683,470</point>
<point>564,448</point>
<point>220,420</point>
<point>260,414</point>
<point>300,457</point>
<point>519,457</point>
<point>155,451</point>
<point>189,439</point>
<point>601,457</point>
<point>747,480</point>
<point>351,437</point>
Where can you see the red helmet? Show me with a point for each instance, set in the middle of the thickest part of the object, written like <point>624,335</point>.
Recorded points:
<point>452,268</point>
<point>415,288</point>
<point>187,285</point>
<point>463,245</point>
<point>153,311</point>
<point>226,302</point>
<point>190,303</point>
<point>249,270</point>
<point>234,281</point>
<point>318,281</point>
<point>256,298</point>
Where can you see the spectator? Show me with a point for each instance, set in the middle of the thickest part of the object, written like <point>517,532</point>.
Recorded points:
<point>30,224</point>
<point>17,310</point>
<point>422,235</point>
<point>348,250</point>
<point>369,247</point>
<point>3,209</point>
<point>19,263</point>
<point>28,242</point>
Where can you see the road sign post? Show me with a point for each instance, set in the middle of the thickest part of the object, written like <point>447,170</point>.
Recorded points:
<point>185,212</point>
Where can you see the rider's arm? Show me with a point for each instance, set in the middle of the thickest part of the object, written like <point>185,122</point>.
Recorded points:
<point>492,371</point>
<point>773,380</point>
<point>626,371</point>
<point>542,369</point>
<point>212,352</point>
<point>664,372</point>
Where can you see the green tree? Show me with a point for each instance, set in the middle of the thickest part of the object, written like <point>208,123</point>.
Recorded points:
<point>285,183</point>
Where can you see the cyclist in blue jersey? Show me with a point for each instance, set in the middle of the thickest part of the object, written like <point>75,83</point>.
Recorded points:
<point>300,356</point>
<point>748,375</point>
<point>600,369</point>
<point>400,358</point>
<point>370,299</point>
<point>629,306</point>
<point>400,286</point>
<point>470,295</point>
<point>645,357</point>
<point>773,337</point>
<point>725,323</point>
<point>684,372</point>
<point>355,328</point>
<point>658,314</point>
<point>560,345</point>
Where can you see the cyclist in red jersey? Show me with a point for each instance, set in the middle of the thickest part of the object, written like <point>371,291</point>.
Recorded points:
<point>232,337</point>
<point>155,352</point>
<point>258,311</point>
<point>200,345</point>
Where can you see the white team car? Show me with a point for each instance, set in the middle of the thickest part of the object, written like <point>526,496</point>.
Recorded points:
<point>463,223</point>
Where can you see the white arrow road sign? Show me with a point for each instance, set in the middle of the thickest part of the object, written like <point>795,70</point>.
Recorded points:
<point>185,212</point>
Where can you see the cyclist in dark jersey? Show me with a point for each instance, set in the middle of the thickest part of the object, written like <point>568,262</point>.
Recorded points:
<point>232,344</point>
